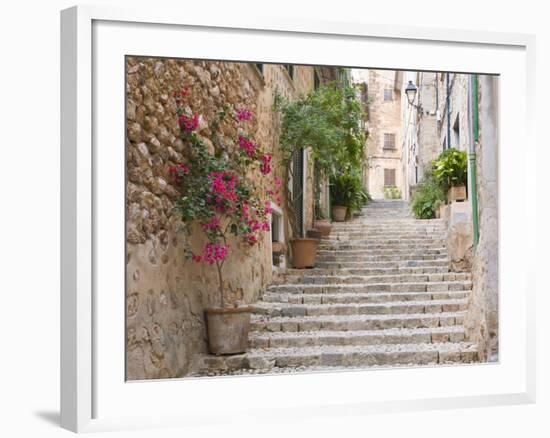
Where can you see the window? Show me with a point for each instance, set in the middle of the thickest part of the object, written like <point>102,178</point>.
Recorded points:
<point>389,177</point>
<point>388,94</point>
<point>389,141</point>
<point>276,224</point>
<point>260,67</point>
<point>455,133</point>
<point>290,69</point>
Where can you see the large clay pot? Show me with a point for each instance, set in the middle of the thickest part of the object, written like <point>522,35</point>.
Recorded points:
<point>228,329</point>
<point>304,252</point>
<point>323,226</point>
<point>314,234</point>
<point>339,213</point>
<point>457,193</point>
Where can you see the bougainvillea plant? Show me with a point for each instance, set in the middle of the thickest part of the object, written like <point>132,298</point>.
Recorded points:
<point>216,188</point>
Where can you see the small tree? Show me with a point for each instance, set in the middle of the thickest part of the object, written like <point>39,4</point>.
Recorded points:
<point>327,121</point>
<point>215,188</point>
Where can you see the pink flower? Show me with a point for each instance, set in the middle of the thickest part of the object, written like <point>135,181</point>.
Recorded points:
<point>244,115</point>
<point>265,167</point>
<point>214,252</point>
<point>196,258</point>
<point>245,211</point>
<point>177,172</point>
<point>222,187</point>
<point>213,225</point>
<point>188,124</point>
<point>268,208</point>
<point>251,239</point>
<point>247,146</point>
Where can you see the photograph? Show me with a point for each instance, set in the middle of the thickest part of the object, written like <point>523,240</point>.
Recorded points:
<point>295,218</point>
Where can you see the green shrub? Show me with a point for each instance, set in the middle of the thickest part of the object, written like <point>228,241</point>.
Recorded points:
<point>450,169</point>
<point>428,197</point>
<point>392,192</point>
<point>347,190</point>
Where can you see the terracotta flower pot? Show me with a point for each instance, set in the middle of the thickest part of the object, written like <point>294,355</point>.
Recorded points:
<point>314,234</point>
<point>304,252</point>
<point>457,193</point>
<point>228,329</point>
<point>339,213</point>
<point>324,226</point>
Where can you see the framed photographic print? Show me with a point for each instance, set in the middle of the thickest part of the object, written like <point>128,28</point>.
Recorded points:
<point>322,209</point>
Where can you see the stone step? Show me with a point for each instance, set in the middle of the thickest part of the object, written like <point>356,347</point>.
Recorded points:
<point>407,221</point>
<point>359,337</point>
<point>366,271</point>
<point>422,286</point>
<point>385,308</point>
<point>379,248</point>
<point>377,252</point>
<point>389,234</point>
<point>387,226</point>
<point>306,278</point>
<point>379,264</point>
<point>361,297</point>
<point>365,355</point>
<point>344,257</point>
<point>355,322</point>
<point>330,357</point>
<point>390,241</point>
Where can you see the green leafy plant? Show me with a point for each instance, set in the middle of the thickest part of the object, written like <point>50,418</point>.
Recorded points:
<point>327,123</point>
<point>347,190</point>
<point>392,192</point>
<point>428,197</point>
<point>450,169</point>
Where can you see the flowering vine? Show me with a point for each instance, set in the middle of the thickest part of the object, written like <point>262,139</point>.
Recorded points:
<point>215,189</point>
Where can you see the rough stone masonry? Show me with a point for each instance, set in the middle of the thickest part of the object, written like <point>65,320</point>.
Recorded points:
<point>166,294</point>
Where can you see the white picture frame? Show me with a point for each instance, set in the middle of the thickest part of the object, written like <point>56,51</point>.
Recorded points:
<point>82,372</point>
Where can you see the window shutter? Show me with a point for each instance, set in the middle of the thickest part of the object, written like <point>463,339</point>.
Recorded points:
<point>298,187</point>
<point>389,177</point>
<point>389,141</point>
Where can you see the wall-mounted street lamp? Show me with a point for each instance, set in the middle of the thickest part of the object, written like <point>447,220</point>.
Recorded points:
<point>411,92</point>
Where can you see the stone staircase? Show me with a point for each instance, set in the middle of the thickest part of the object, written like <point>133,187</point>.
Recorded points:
<point>381,294</point>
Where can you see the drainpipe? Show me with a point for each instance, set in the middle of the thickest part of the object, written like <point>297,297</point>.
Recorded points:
<point>448,103</point>
<point>474,139</point>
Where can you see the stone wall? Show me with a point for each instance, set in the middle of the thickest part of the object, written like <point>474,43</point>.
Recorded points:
<point>166,294</point>
<point>458,217</point>
<point>384,117</point>
<point>429,146</point>
<point>459,110</point>
<point>481,321</point>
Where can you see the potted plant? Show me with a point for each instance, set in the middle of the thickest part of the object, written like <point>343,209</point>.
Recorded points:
<point>218,198</point>
<point>321,223</point>
<point>347,194</point>
<point>450,170</point>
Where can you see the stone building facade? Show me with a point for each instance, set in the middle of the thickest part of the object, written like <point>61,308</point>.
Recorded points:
<point>166,294</point>
<point>421,142</point>
<point>482,322</point>
<point>384,134</point>
<point>452,126</point>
